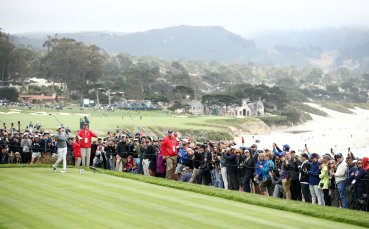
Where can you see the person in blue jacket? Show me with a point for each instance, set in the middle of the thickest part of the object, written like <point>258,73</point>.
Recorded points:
<point>357,181</point>
<point>314,180</point>
<point>266,184</point>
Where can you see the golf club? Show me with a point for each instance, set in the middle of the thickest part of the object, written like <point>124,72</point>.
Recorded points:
<point>56,119</point>
<point>93,168</point>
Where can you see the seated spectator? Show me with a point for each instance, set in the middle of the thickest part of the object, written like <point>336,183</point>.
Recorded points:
<point>4,156</point>
<point>128,167</point>
<point>186,174</point>
<point>18,158</point>
<point>36,149</point>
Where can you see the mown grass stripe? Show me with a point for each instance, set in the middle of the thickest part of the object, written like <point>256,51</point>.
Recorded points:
<point>93,205</point>
<point>130,204</point>
<point>323,212</point>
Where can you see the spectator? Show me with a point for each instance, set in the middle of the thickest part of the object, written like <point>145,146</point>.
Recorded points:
<point>232,169</point>
<point>314,181</point>
<point>186,175</point>
<point>26,145</point>
<point>4,156</point>
<point>121,154</point>
<point>160,166</point>
<point>349,186</point>
<point>85,136</point>
<point>335,195</point>
<point>357,181</point>
<point>285,175</point>
<point>169,152</point>
<point>77,152</point>
<point>324,180</point>
<point>249,168</point>
<point>340,177</point>
<point>266,187</point>
<point>293,168</point>
<point>36,149</point>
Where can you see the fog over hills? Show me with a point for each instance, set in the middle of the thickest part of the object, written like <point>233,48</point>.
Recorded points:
<point>326,47</point>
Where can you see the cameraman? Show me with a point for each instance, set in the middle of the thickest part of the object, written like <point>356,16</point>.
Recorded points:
<point>205,167</point>
<point>110,153</point>
<point>121,152</point>
<point>232,168</point>
<point>249,168</point>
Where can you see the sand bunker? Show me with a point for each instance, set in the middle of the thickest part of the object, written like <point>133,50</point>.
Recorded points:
<point>39,113</point>
<point>64,113</point>
<point>81,114</point>
<point>10,112</point>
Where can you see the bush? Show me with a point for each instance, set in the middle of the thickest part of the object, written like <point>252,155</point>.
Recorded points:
<point>9,93</point>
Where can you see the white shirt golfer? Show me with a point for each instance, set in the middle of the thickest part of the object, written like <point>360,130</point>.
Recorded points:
<point>61,144</point>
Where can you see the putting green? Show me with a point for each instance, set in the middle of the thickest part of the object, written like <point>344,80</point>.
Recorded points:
<point>39,198</point>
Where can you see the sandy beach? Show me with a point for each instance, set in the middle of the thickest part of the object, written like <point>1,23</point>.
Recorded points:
<point>338,131</point>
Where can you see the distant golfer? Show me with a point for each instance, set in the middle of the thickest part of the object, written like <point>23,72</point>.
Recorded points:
<point>61,143</point>
<point>85,136</point>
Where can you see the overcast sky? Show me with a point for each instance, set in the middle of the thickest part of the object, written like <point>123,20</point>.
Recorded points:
<point>243,17</point>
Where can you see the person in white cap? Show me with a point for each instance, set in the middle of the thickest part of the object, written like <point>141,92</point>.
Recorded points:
<point>61,143</point>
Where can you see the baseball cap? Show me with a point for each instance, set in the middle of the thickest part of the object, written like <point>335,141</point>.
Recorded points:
<point>287,147</point>
<point>305,155</point>
<point>170,131</point>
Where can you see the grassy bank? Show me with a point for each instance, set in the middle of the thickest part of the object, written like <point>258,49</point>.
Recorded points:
<point>39,198</point>
<point>340,107</point>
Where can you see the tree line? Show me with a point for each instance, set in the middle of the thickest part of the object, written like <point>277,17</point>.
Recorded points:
<point>87,69</point>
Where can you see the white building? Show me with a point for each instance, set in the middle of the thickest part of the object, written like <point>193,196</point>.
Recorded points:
<point>195,107</point>
<point>247,109</point>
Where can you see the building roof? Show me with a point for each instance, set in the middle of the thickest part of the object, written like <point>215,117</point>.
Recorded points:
<point>40,97</point>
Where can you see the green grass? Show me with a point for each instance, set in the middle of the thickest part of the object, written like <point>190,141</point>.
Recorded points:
<point>157,121</point>
<point>362,105</point>
<point>309,109</point>
<point>39,198</point>
<point>340,107</point>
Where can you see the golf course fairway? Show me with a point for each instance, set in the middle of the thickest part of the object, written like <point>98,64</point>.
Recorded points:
<point>40,198</point>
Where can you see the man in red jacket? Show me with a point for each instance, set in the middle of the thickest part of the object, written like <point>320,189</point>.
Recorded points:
<point>85,136</point>
<point>168,151</point>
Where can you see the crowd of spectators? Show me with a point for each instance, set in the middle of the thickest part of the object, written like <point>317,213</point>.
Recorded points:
<point>330,179</point>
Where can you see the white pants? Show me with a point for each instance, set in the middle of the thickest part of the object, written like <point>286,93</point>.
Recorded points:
<point>223,171</point>
<point>145,166</point>
<point>78,161</point>
<point>316,193</point>
<point>62,155</point>
<point>86,154</point>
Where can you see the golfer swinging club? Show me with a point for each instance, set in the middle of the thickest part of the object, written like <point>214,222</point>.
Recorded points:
<point>61,143</point>
<point>85,136</point>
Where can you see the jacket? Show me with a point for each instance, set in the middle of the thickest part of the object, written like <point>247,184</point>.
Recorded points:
<point>293,168</point>
<point>76,149</point>
<point>86,136</point>
<point>341,172</point>
<point>121,149</point>
<point>268,166</point>
<point>323,176</point>
<point>249,166</point>
<point>168,147</point>
<point>314,174</point>
<point>304,176</point>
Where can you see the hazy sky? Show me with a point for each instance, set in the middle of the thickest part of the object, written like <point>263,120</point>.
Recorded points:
<point>240,16</point>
